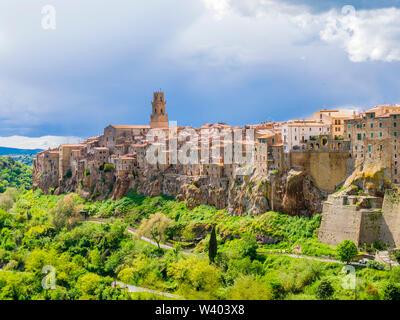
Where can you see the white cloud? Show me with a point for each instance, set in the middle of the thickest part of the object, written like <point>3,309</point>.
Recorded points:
<point>44,142</point>
<point>220,7</point>
<point>365,35</point>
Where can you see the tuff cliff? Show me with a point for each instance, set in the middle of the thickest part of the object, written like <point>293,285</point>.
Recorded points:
<point>293,192</point>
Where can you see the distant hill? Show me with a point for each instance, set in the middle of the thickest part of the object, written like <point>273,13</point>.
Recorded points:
<point>4,151</point>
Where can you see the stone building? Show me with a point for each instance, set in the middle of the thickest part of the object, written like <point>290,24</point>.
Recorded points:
<point>268,149</point>
<point>118,134</point>
<point>296,133</point>
<point>374,139</point>
<point>334,118</point>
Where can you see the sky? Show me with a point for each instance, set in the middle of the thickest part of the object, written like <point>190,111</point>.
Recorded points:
<point>232,61</point>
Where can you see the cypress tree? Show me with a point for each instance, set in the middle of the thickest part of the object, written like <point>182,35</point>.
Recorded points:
<point>212,245</point>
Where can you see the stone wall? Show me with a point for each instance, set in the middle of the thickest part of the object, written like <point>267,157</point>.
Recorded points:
<point>364,222</point>
<point>339,222</point>
<point>328,169</point>
<point>390,228</point>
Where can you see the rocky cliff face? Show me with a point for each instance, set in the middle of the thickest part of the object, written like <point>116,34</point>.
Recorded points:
<point>293,193</point>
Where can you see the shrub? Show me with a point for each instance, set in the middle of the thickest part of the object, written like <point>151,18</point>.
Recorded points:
<point>372,264</point>
<point>108,167</point>
<point>250,288</point>
<point>325,290</point>
<point>87,172</point>
<point>277,289</point>
<point>391,291</point>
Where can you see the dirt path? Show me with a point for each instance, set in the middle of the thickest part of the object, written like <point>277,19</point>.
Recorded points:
<point>131,231</point>
<point>132,288</point>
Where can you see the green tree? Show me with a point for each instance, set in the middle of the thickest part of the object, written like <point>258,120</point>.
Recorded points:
<point>347,250</point>
<point>325,290</point>
<point>212,245</point>
<point>155,227</point>
<point>195,278</point>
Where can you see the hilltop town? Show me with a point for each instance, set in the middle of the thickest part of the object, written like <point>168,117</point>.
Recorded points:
<point>340,163</point>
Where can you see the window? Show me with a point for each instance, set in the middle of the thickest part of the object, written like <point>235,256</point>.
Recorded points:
<point>372,135</point>
<point>372,125</point>
<point>380,134</point>
<point>355,148</point>
<point>369,148</point>
<point>380,124</point>
<point>349,126</point>
<point>349,135</point>
<point>394,124</point>
<point>395,133</point>
<point>358,136</point>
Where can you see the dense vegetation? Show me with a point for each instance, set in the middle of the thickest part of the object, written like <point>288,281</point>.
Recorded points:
<point>14,174</point>
<point>26,159</point>
<point>212,255</point>
<point>39,230</point>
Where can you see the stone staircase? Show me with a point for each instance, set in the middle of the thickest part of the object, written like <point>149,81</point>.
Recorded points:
<point>384,257</point>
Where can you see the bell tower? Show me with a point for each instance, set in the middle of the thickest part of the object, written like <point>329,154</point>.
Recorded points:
<point>158,118</point>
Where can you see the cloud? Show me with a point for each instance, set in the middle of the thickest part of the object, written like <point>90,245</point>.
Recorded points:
<point>44,142</point>
<point>363,34</point>
<point>215,58</point>
<point>367,35</point>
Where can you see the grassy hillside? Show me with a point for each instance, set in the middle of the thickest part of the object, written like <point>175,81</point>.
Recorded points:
<point>38,230</point>
<point>14,174</point>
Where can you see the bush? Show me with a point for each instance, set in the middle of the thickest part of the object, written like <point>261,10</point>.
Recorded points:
<point>277,289</point>
<point>108,167</point>
<point>325,290</point>
<point>250,288</point>
<point>391,291</point>
<point>372,264</point>
<point>87,172</point>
